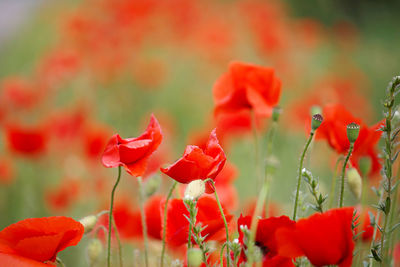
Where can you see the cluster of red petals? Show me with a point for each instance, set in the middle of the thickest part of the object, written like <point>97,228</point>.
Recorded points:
<point>266,238</point>
<point>128,219</point>
<point>26,140</point>
<point>246,86</point>
<point>32,242</point>
<point>197,163</point>
<point>208,214</point>
<point>333,130</point>
<point>324,238</point>
<point>64,195</point>
<point>133,153</point>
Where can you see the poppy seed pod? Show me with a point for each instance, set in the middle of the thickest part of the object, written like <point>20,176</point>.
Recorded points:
<point>195,189</point>
<point>316,121</point>
<point>353,129</point>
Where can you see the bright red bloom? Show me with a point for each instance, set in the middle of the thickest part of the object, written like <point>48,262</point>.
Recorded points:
<point>324,238</point>
<point>133,153</point>
<point>29,141</point>
<point>31,242</point>
<point>247,86</point>
<point>7,172</point>
<point>333,130</point>
<point>197,163</point>
<point>64,195</point>
<point>208,214</point>
<point>266,239</point>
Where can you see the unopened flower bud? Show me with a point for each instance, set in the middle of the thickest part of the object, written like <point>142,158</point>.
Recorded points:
<point>195,257</point>
<point>316,121</point>
<point>365,165</point>
<point>94,250</point>
<point>276,112</point>
<point>315,110</point>
<point>353,129</point>
<point>88,222</point>
<point>195,189</point>
<point>355,182</point>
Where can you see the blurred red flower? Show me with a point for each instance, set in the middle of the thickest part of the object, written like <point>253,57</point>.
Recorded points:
<point>63,196</point>
<point>26,140</point>
<point>247,86</point>
<point>333,130</point>
<point>133,153</point>
<point>208,214</point>
<point>197,163</point>
<point>324,238</point>
<point>364,222</point>
<point>266,240</point>
<point>7,171</point>
<point>31,242</point>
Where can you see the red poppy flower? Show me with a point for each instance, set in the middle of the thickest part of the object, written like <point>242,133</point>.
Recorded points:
<point>208,214</point>
<point>28,141</point>
<point>197,163</point>
<point>324,238</point>
<point>128,218</point>
<point>31,242</point>
<point>64,195</point>
<point>7,171</point>
<point>247,86</point>
<point>365,223</point>
<point>95,139</point>
<point>266,240</point>
<point>133,153</point>
<point>333,130</point>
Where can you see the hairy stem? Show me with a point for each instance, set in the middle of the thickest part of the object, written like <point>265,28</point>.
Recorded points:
<point>341,197</point>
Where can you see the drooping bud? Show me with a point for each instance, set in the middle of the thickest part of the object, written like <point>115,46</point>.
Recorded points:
<point>276,112</point>
<point>195,189</point>
<point>195,257</point>
<point>355,182</point>
<point>316,121</point>
<point>94,250</point>
<point>88,222</point>
<point>353,129</point>
<point>315,110</point>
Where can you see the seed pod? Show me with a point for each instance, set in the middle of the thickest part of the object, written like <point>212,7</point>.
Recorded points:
<point>353,129</point>
<point>316,121</point>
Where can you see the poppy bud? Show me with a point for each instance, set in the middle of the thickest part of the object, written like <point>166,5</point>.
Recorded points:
<point>316,121</point>
<point>195,257</point>
<point>365,165</point>
<point>315,110</point>
<point>355,182</point>
<point>276,112</point>
<point>353,129</point>
<point>88,222</point>
<point>195,189</point>
<point>94,250</point>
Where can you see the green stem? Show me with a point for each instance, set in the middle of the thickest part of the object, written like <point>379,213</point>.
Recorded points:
<point>377,218</point>
<point>333,182</point>
<point>165,222</point>
<point>221,254</point>
<point>225,222</point>
<point>144,225</point>
<point>343,173</point>
<point>270,138</point>
<point>110,217</point>
<point>299,174</point>
<point>60,262</point>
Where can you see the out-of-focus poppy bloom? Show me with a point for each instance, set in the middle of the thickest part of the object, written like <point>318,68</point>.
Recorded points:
<point>26,140</point>
<point>396,255</point>
<point>94,141</point>
<point>31,242</point>
<point>7,174</point>
<point>128,220</point>
<point>365,223</point>
<point>273,209</point>
<point>133,153</point>
<point>18,93</point>
<point>67,124</point>
<point>208,214</point>
<point>265,238</point>
<point>247,86</point>
<point>333,130</point>
<point>197,163</point>
<point>324,238</point>
<point>61,197</point>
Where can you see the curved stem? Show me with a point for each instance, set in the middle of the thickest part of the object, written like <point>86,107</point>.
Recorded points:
<point>165,222</point>
<point>225,222</point>
<point>333,182</point>
<point>343,173</point>
<point>110,217</point>
<point>299,175</point>
<point>144,225</point>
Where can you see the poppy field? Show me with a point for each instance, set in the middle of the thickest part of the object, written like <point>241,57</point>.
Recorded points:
<point>201,133</point>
